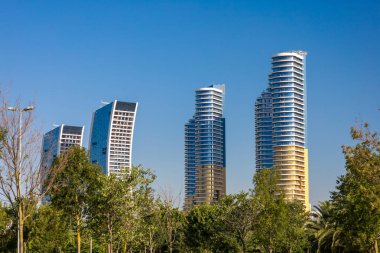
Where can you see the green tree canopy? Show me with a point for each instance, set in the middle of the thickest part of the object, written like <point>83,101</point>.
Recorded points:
<point>206,230</point>
<point>356,200</point>
<point>240,215</point>
<point>115,209</point>
<point>8,228</point>
<point>280,223</point>
<point>49,231</point>
<point>74,187</point>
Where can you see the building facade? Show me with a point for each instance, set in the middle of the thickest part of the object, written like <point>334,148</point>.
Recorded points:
<point>111,136</point>
<point>205,152</point>
<point>56,142</point>
<point>280,125</point>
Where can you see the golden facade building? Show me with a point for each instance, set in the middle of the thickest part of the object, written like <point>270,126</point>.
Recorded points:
<point>280,125</point>
<point>205,162</point>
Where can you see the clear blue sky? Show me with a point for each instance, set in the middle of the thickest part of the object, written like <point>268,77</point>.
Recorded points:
<point>66,56</point>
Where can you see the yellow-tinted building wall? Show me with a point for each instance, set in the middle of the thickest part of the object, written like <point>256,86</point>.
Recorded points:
<point>307,200</point>
<point>211,184</point>
<point>291,162</point>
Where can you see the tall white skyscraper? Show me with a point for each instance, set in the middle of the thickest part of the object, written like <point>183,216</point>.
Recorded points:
<point>111,136</point>
<point>205,157</point>
<point>58,141</point>
<point>280,125</point>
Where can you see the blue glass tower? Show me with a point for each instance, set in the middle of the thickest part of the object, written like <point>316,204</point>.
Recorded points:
<point>58,141</point>
<point>111,136</point>
<point>190,161</point>
<point>280,114</point>
<point>205,158</point>
<point>264,131</point>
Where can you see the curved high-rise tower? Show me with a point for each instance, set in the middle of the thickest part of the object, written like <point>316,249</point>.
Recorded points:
<point>111,136</point>
<point>280,114</point>
<point>205,163</point>
<point>264,131</point>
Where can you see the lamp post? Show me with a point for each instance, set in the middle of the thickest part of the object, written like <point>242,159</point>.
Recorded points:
<point>18,171</point>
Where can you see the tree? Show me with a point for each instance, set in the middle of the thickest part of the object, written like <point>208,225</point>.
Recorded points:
<point>19,163</point>
<point>294,232</point>
<point>118,202</point>
<point>240,215</point>
<point>280,223</point>
<point>206,230</point>
<point>266,231</point>
<point>132,234</point>
<point>74,186</point>
<point>6,221</point>
<point>357,197</point>
<point>324,235</point>
<point>108,208</point>
<point>150,226</point>
<point>17,171</point>
<point>7,230</point>
<point>172,222</point>
<point>20,168</point>
<point>49,231</point>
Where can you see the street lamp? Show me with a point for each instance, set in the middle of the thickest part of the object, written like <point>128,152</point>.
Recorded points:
<point>18,173</point>
<point>28,108</point>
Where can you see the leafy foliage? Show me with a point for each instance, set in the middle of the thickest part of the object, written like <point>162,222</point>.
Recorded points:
<point>115,207</point>
<point>122,214</point>
<point>206,230</point>
<point>7,229</point>
<point>356,202</point>
<point>49,231</point>
<point>75,185</point>
<point>171,224</point>
<point>240,215</point>
<point>324,235</point>
<point>279,224</point>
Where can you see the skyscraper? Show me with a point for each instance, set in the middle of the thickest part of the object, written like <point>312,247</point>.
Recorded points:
<point>58,141</point>
<point>111,136</point>
<point>280,125</point>
<point>205,158</point>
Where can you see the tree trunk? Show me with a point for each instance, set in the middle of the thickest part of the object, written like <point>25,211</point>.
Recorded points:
<point>110,247</point>
<point>20,215</point>
<point>111,239</point>
<point>376,248</point>
<point>125,247</point>
<point>21,230</point>
<point>78,234</point>
<point>18,187</point>
<point>243,246</point>
<point>241,239</point>
<point>78,240</point>
<point>110,234</point>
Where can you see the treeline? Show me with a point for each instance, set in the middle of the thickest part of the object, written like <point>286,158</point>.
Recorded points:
<point>87,211</point>
<point>114,214</point>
